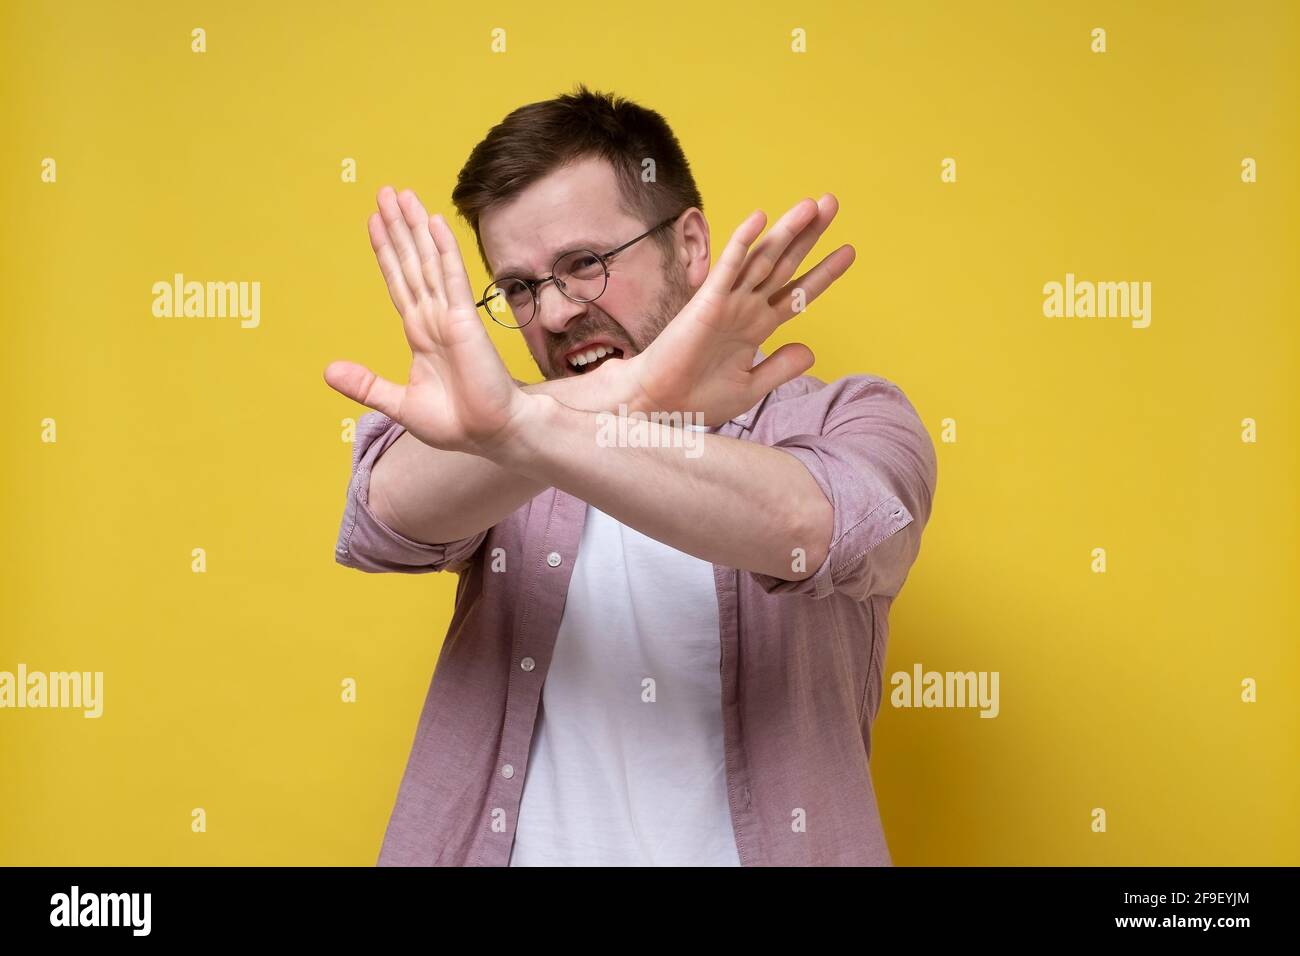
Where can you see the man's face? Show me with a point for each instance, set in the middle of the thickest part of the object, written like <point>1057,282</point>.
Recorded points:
<point>578,207</point>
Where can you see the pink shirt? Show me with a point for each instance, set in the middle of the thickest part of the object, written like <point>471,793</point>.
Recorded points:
<point>801,660</point>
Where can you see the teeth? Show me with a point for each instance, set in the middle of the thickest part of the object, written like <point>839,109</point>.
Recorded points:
<point>589,356</point>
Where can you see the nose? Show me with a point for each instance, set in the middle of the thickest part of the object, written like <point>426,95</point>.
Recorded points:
<point>555,310</point>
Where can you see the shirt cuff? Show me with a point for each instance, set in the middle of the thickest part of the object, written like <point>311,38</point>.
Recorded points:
<point>367,543</point>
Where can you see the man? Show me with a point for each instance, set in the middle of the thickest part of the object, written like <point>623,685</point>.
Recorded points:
<point>668,637</point>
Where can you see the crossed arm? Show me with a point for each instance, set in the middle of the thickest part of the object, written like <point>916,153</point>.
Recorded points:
<point>738,504</point>
<point>477,445</point>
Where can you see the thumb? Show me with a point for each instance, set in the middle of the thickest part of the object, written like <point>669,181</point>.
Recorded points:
<point>362,385</point>
<point>787,362</point>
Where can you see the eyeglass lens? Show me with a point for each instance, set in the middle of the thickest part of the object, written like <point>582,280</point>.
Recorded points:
<point>580,276</point>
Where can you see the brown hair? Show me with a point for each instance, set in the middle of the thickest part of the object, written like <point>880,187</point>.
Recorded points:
<point>538,138</point>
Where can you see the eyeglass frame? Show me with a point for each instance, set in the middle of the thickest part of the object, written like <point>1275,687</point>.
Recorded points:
<point>534,285</point>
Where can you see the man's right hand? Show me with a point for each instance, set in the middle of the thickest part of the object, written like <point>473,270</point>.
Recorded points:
<point>456,382</point>
<point>459,397</point>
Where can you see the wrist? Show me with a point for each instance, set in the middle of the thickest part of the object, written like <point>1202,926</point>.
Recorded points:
<point>599,391</point>
<point>519,445</point>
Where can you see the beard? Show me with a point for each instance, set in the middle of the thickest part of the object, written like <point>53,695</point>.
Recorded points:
<point>672,298</point>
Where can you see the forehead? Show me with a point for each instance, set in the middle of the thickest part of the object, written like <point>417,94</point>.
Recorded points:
<point>573,206</point>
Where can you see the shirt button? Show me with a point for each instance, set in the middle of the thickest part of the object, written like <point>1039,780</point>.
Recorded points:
<point>507,771</point>
<point>528,663</point>
<point>743,418</point>
<point>553,559</point>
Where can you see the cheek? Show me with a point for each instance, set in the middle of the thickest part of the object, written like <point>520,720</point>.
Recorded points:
<point>628,301</point>
<point>533,339</point>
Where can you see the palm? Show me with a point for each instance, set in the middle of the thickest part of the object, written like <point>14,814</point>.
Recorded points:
<point>457,385</point>
<point>721,356</point>
<point>459,395</point>
<point>703,360</point>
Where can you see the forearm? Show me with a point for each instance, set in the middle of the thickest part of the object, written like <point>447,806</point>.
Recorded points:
<point>733,503</point>
<point>437,496</point>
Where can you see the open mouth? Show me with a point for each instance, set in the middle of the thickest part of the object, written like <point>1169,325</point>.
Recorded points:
<point>581,361</point>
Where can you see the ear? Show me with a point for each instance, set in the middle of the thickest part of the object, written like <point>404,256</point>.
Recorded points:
<point>693,246</point>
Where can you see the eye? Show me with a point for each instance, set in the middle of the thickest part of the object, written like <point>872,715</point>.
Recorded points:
<point>583,265</point>
<point>515,291</point>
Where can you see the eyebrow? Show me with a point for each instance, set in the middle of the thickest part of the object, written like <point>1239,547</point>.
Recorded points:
<point>517,272</point>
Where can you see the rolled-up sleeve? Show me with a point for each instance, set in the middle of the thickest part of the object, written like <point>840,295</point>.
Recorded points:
<point>365,542</point>
<point>876,464</point>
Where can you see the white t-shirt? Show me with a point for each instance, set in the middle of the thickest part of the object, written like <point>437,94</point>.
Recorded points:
<point>627,764</point>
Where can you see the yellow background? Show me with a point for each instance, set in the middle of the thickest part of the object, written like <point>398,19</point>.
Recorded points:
<point>222,690</point>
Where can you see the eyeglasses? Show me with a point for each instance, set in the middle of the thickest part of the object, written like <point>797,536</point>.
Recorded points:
<point>580,275</point>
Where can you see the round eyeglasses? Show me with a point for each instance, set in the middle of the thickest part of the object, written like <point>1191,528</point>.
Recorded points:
<point>580,275</point>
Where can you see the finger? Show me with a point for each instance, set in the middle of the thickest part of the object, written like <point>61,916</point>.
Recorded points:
<point>722,277</point>
<point>784,302</point>
<point>417,218</point>
<point>794,254</point>
<point>398,290</point>
<point>362,385</point>
<point>788,362</point>
<point>399,233</point>
<point>764,256</point>
<point>454,278</point>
